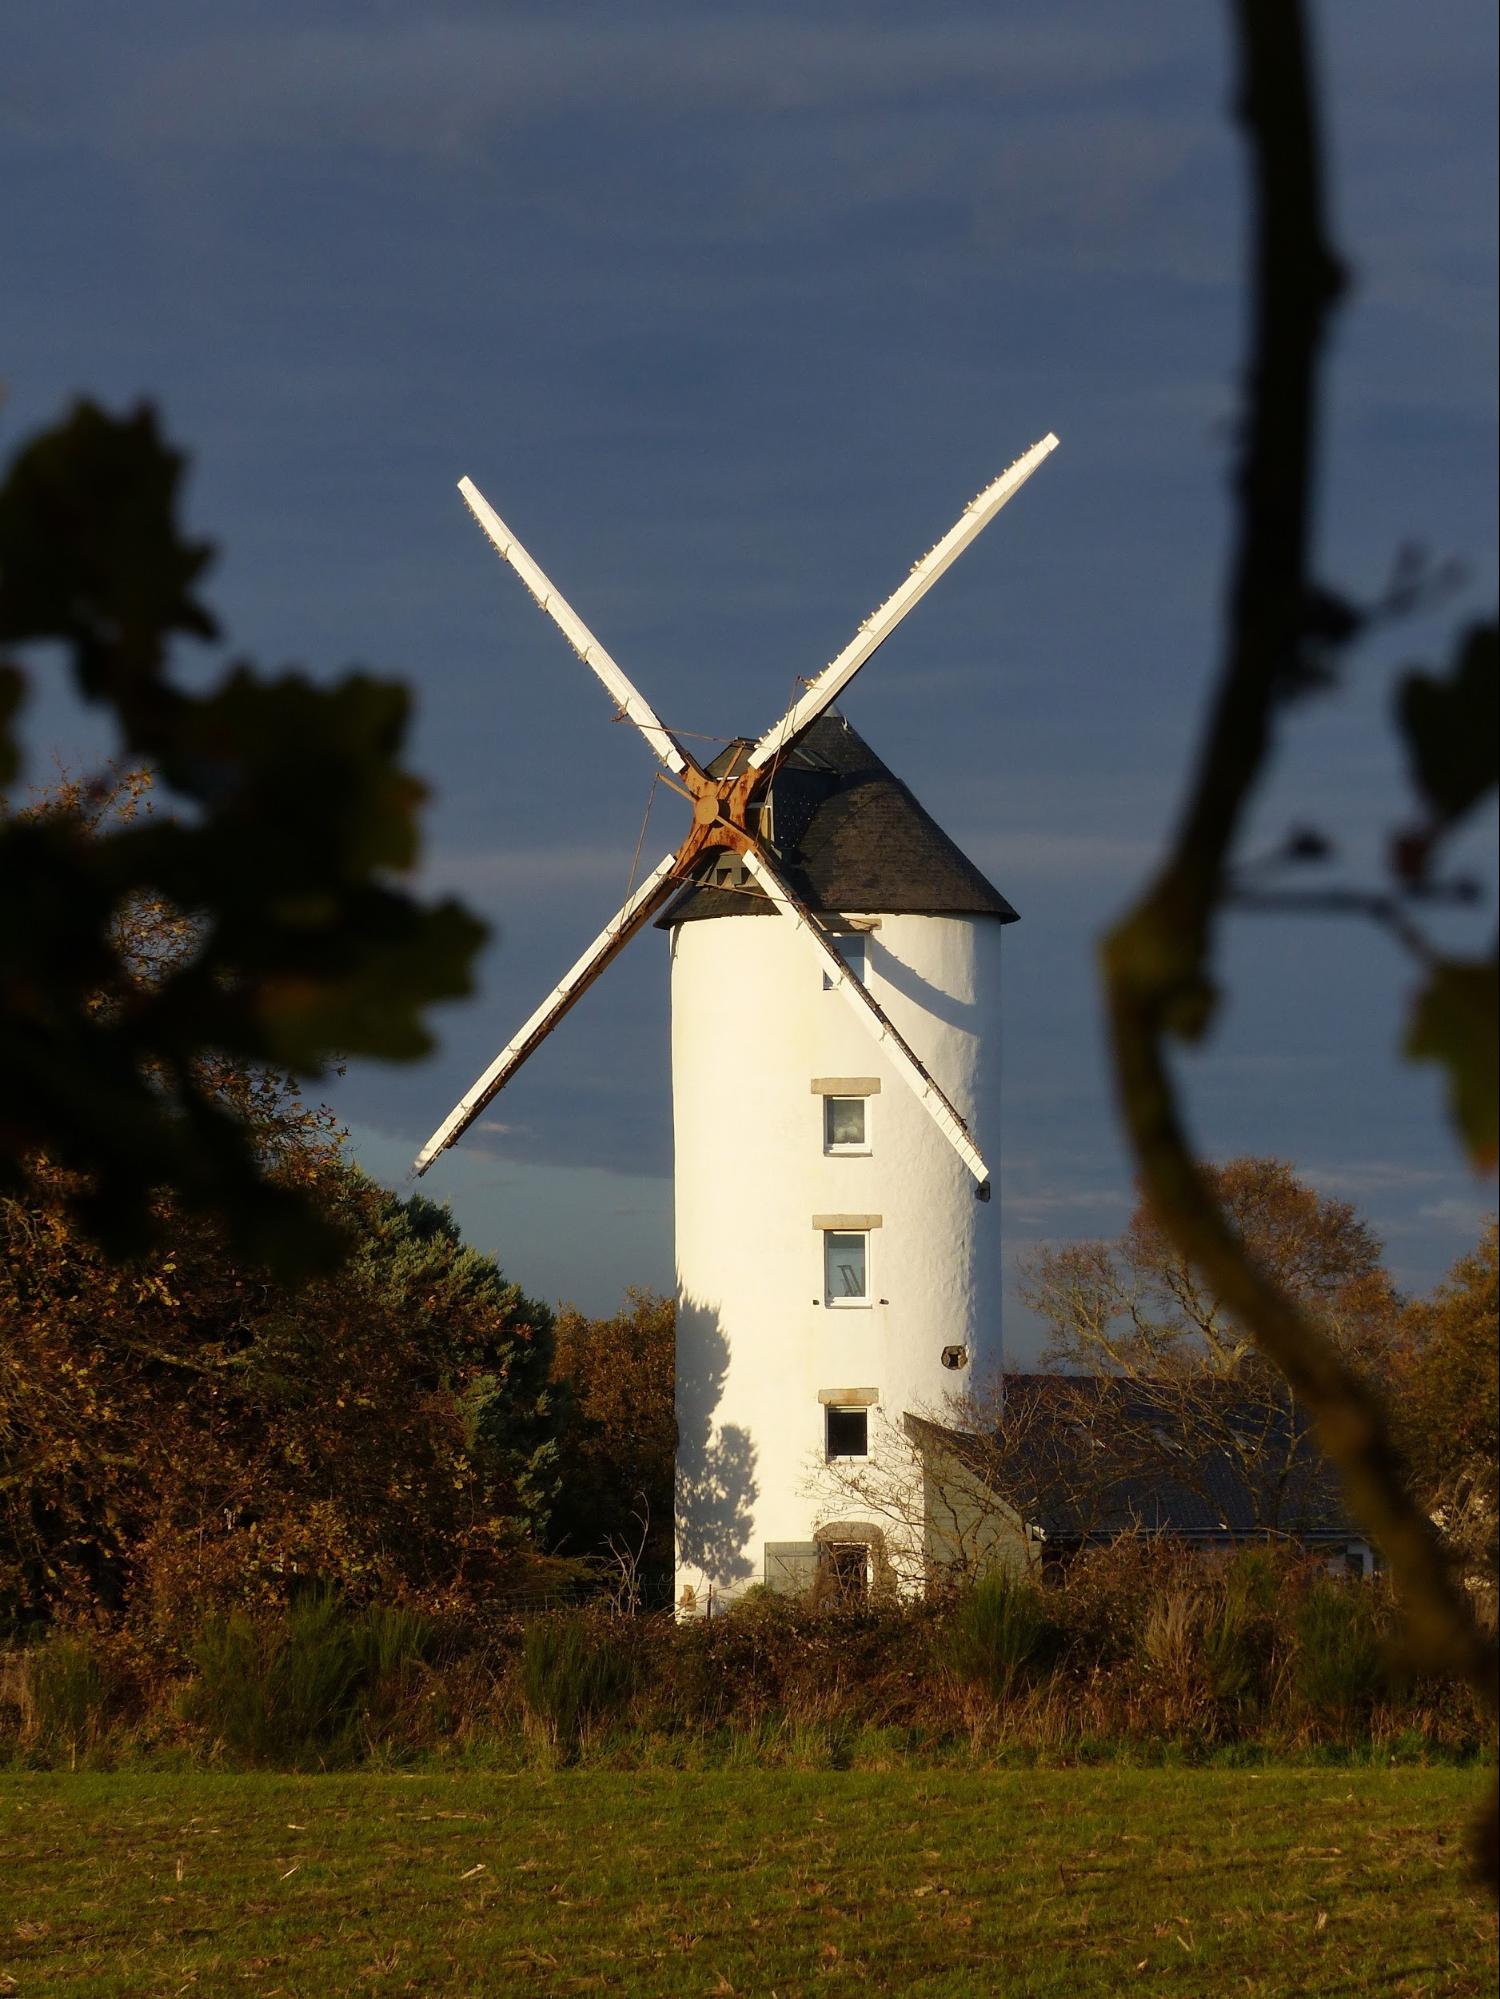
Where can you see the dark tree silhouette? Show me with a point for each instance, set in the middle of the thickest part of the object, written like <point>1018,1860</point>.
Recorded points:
<point>286,822</point>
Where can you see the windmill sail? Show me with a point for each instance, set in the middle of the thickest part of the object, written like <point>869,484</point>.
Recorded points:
<point>594,656</point>
<point>658,886</point>
<point>722,805</point>
<point>874,1017</point>
<point>878,627</point>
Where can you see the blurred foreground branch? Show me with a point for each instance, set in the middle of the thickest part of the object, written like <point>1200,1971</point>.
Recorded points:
<point>1281,631</point>
<point>276,878</point>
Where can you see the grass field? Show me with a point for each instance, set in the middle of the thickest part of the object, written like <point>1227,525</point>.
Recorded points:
<point>1066,1882</point>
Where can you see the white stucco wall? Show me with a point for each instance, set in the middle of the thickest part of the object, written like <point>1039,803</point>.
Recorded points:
<point>751,1028</point>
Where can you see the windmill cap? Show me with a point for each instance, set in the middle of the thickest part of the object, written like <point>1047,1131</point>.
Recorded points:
<point>851,838</point>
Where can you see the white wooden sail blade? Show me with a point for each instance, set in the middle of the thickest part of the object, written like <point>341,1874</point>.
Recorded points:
<point>873,1015</point>
<point>656,889</point>
<point>878,627</point>
<point>629,697</point>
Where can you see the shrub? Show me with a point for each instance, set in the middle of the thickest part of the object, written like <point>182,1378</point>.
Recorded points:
<point>281,1688</point>
<point>1137,1649</point>
<point>1104,1596</point>
<point>1232,1654</point>
<point>1239,1633</point>
<point>392,1642</point>
<point>575,1672</point>
<point>1339,1667</point>
<point>1254,1577</point>
<point>66,1693</point>
<point>997,1631</point>
<point>394,1646</point>
<point>1171,1637</point>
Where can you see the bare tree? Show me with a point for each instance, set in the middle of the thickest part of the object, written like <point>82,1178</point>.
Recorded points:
<point>625,1572</point>
<point>1176,1378</point>
<point>1137,1307</point>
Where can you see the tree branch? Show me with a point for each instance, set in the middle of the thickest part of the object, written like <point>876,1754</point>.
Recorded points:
<point>1156,962</point>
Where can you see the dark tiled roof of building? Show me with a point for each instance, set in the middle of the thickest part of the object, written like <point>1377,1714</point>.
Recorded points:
<point>851,838</point>
<point>1087,1458</point>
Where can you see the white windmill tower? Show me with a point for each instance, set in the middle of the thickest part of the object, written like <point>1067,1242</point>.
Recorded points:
<point>830,1068</point>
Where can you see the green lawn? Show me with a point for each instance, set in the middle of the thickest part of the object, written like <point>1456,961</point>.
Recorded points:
<point>1066,1882</point>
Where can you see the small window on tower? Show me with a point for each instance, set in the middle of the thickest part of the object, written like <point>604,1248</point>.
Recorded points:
<point>847,1432</point>
<point>846,1267</point>
<point>727,872</point>
<point>845,1124</point>
<point>853,947</point>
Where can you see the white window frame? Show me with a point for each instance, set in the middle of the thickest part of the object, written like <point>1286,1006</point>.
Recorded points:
<point>761,819</point>
<point>860,967</point>
<point>845,1303</point>
<point>832,1409</point>
<point>835,1151</point>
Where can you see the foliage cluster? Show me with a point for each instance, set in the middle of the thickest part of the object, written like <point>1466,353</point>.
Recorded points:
<point>296,822</point>
<point>1446,1396</point>
<point>180,1432</point>
<point>180,1428</point>
<point>615,1502</point>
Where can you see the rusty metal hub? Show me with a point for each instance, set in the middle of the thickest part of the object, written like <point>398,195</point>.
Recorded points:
<point>720,808</point>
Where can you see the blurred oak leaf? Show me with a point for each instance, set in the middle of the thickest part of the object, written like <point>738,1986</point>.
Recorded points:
<point>1453,1022</point>
<point>89,548</point>
<point>1451,725</point>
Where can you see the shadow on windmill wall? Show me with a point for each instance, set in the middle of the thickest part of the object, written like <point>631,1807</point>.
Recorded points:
<point>716,1488</point>
<point>906,980</point>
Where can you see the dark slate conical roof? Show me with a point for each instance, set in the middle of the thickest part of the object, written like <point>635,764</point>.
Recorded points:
<point>850,838</point>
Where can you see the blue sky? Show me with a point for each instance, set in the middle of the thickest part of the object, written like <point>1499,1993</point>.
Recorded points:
<point>729,311</point>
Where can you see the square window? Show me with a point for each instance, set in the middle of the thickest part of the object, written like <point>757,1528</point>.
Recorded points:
<point>845,1125</point>
<point>847,1433</point>
<point>846,1267</point>
<point>853,947</point>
